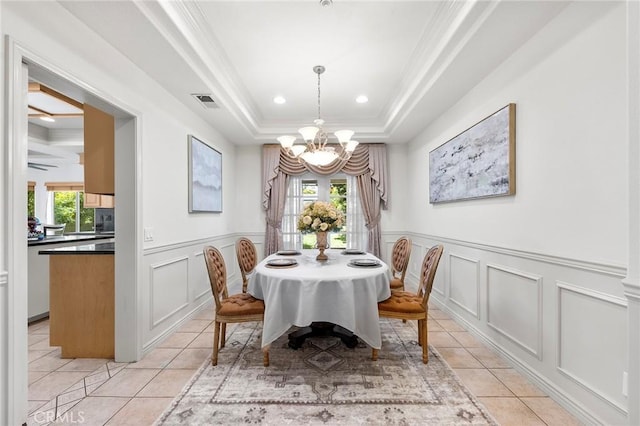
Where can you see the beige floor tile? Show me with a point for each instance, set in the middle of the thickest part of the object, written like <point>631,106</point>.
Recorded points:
<point>34,355</point>
<point>488,358</point>
<point>178,340</point>
<point>190,358</point>
<point>518,384</point>
<point>42,345</point>
<point>157,358</point>
<point>206,313</point>
<point>49,362</point>
<point>140,411</point>
<point>204,340</point>
<point>432,325</point>
<point>466,339</point>
<point>35,405</point>
<point>94,411</point>
<point>43,329</point>
<point>442,339</point>
<point>36,375</point>
<point>194,326</point>
<point>459,358</point>
<point>438,314</point>
<point>450,325</point>
<point>38,325</point>
<point>84,364</point>
<point>168,383</point>
<point>127,383</point>
<point>510,411</point>
<point>43,414</point>
<point>53,384</point>
<point>481,382</point>
<point>35,338</point>
<point>550,412</point>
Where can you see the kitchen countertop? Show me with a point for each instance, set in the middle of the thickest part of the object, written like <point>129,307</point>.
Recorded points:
<point>100,248</point>
<point>69,239</point>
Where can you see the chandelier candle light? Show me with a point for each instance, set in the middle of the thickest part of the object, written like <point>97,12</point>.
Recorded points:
<point>320,217</point>
<point>316,151</point>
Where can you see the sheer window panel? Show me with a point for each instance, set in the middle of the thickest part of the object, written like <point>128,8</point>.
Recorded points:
<point>357,234</point>
<point>291,237</point>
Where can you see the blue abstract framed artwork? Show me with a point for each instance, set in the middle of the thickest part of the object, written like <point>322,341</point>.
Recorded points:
<point>205,177</point>
<point>477,163</point>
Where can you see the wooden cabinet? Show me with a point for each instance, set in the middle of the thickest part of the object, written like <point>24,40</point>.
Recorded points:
<point>99,200</point>
<point>99,143</point>
<point>82,305</point>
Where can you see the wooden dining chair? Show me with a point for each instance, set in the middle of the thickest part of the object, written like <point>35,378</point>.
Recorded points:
<point>240,307</point>
<point>400,255</point>
<point>247,259</point>
<point>409,306</point>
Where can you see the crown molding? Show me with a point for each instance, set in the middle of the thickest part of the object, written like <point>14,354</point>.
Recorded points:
<point>450,30</point>
<point>183,25</point>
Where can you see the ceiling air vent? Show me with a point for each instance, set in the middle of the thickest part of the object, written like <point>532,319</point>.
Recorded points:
<point>205,100</point>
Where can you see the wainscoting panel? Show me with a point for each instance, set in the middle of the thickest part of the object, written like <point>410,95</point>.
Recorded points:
<point>520,322</point>
<point>199,276</point>
<point>559,321</point>
<point>602,334</point>
<point>177,284</point>
<point>464,283</point>
<point>168,294</point>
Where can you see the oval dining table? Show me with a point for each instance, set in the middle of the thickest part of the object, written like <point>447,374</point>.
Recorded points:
<point>310,292</point>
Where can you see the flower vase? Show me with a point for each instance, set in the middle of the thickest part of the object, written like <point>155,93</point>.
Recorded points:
<point>322,245</point>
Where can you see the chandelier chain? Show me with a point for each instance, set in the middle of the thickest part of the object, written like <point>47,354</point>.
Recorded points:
<point>319,96</point>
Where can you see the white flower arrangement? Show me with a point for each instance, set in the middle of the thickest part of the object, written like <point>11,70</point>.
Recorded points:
<point>320,216</point>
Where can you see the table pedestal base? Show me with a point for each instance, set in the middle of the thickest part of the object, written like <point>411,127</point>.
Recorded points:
<point>297,338</point>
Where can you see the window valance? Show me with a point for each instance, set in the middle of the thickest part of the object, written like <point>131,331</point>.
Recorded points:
<point>64,186</point>
<point>368,164</point>
<point>367,158</point>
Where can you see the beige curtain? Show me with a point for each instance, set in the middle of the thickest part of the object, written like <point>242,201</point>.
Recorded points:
<point>368,163</point>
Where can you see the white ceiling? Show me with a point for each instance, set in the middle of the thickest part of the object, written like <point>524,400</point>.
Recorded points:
<point>413,59</point>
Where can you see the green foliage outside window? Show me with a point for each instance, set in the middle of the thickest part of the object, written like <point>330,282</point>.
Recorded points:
<point>31,203</point>
<point>64,211</point>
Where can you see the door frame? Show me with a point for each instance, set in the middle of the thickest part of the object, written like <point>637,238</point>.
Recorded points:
<point>128,256</point>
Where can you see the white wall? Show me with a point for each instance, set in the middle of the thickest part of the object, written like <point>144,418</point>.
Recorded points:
<point>537,275</point>
<point>569,87</point>
<point>79,55</point>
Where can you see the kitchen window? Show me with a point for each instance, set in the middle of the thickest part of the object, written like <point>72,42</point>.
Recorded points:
<point>341,191</point>
<point>31,199</point>
<point>66,201</point>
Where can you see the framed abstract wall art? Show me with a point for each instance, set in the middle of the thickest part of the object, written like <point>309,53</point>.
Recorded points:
<point>477,163</point>
<point>205,177</point>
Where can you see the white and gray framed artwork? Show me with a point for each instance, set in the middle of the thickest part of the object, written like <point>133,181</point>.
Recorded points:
<point>477,163</point>
<point>205,177</point>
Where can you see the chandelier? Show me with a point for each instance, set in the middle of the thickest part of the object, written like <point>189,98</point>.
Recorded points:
<point>315,151</point>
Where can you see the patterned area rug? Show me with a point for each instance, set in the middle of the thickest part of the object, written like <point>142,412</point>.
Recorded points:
<point>325,383</point>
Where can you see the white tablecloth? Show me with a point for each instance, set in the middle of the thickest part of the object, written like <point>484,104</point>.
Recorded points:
<point>327,291</point>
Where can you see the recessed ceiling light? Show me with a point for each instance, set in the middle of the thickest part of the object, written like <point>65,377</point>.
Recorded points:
<point>362,99</point>
<point>47,119</point>
<point>279,100</point>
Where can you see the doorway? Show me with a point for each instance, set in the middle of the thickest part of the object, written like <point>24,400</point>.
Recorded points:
<point>23,65</point>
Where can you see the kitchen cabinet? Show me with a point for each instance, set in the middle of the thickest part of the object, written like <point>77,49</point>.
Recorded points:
<point>99,143</point>
<point>98,201</point>
<point>82,300</point>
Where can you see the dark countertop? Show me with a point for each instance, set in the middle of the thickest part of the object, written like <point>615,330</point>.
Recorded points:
<point>69,239</point>
<point>100,248</point>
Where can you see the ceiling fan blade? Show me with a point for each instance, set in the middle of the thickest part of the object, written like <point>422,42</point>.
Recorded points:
<point>32,166</point>
<point>41,164</point>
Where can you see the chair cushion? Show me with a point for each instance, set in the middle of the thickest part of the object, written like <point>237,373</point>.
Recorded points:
<point>396,283</point>
<point>241,304</point>
<point>402,301</point>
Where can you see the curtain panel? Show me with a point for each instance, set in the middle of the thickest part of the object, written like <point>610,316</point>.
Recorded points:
<point>368,164</point>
